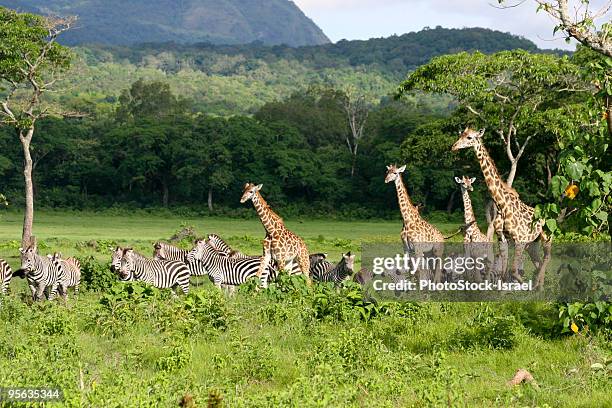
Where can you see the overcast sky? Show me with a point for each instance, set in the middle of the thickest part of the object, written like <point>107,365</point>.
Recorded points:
<point>363,19</point>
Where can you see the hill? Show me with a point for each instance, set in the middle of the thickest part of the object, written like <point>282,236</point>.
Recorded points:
<point>234,79</point>
<point>124,22</point>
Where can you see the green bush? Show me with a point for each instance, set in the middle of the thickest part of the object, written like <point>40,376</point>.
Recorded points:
<point>97,277</point>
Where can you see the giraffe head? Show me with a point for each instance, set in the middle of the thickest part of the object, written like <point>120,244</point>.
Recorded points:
<point>468,138</point>
<point>466,183</point>
<point>249,192</point>
<point>393,172</point>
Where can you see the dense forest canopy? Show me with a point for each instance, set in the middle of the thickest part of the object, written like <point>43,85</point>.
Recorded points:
<point>240,79</point>
<point>187,21</point>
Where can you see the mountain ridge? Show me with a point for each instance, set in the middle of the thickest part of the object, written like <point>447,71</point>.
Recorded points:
<point>128,22</point>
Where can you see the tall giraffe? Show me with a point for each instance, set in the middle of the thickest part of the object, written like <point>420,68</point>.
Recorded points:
<point>476,243</point>
<point>280,244</point>
<point>417,234</point>
<point>514,216</point>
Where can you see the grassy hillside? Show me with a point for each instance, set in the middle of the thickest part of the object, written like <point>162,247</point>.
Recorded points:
<point>186,21</point>
<point>239,79</point>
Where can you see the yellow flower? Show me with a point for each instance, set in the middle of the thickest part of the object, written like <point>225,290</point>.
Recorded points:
<point>571,191</point>
<point>574,327</point>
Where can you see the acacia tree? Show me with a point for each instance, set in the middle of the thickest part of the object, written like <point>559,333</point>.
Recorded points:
<point>506,92</point>
<point>30,62</point>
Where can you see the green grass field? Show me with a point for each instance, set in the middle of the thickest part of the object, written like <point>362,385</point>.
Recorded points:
<point>287,346</point>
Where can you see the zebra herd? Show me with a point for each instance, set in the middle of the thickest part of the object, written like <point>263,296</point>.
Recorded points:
<point>47,276</point>
<point>171,266</point>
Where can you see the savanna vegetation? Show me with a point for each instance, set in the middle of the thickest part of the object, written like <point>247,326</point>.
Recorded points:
<point>140,142</point>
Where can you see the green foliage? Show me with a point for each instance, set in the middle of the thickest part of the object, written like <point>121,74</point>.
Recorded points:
<point>97,277</point>
<point>587,317</point>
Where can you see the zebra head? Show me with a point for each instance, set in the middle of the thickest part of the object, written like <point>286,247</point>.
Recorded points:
<point>197,252</point>
<point>393,172</point>
<point>318,257</point>
<point>250,190</point>
<point>158,252</point>
<point>349,265</point>
<point>116,256</point>
<point>28,257</point>
<point>126,266</point>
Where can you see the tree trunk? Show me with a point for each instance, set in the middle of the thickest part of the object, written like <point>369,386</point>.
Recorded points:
<point>609,114</point>
<point>451,201</point>
<point>28,216</point>
<point>353,165</point>
<point>165,193</point>
<point>512,173</point>
<point>210,199</point>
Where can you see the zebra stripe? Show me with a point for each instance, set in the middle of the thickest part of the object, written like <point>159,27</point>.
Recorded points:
<point>72,271</point>
<point>222,247</point>
<point>41,274</point>
<point>224,270</point>
<point>6,273</point>
<point>167,252</point>
<point>161,274</point>
<point>336,273</point>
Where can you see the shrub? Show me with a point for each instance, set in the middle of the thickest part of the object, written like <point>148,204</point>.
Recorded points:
<point>96,277</point>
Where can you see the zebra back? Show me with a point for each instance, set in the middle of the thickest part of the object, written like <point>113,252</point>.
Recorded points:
<point>161,274</point>
<point>71,270</point>
<point>224,270</point>
<point>339,272</point>
<point>6,273</point>
<point>168,252</point>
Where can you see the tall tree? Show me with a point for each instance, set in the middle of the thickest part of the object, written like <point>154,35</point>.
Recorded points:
<point>30,62</point>
<point>357,111</point>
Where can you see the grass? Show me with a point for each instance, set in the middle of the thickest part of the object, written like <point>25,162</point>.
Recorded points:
<point>280,348</point>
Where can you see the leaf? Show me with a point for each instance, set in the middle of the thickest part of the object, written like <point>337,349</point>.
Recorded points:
<point>597,366</point>
<point>575,170</point>
<point>551,224</point>
<point>574,327</point>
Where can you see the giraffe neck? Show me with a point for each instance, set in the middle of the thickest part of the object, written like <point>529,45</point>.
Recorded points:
<point>406,208</point>
<point>270,220</point>
<point>491,175</point>
<point>467,206</point>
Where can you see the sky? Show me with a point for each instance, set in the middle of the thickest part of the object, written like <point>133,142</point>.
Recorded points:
<point>363,19</point>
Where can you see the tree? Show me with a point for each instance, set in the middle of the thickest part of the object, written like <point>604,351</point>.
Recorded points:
<point>579,23</point>
<point>30,62</point>
<point>151,100</point>
<point>507,91</point>
<point>357,110</point>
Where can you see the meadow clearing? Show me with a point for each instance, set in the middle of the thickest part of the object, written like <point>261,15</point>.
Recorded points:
<point>128,344</point>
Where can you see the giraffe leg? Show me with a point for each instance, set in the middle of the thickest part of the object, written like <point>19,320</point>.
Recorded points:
<point>304,262</point>
<point>547,244</point>
<point>264,260</point>
<point>438,251</point>
<point>533,249</point>
<point>519,248</point>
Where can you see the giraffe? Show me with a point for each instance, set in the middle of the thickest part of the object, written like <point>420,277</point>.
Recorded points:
<point>514,216</point>
<point>280,244</point>
<point>417,234</point>
<point>476,243</point>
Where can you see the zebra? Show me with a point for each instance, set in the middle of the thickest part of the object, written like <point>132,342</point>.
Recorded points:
<point>161,274</point>
<point>317,260</point>
<point>168,252</point>
<point>41,274</point>
<point>337,273</point>
<point>6,273</point>
<point>116,256</point>
<point>223,248</point>
<point>225,270</point>
<point>72,271</point>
